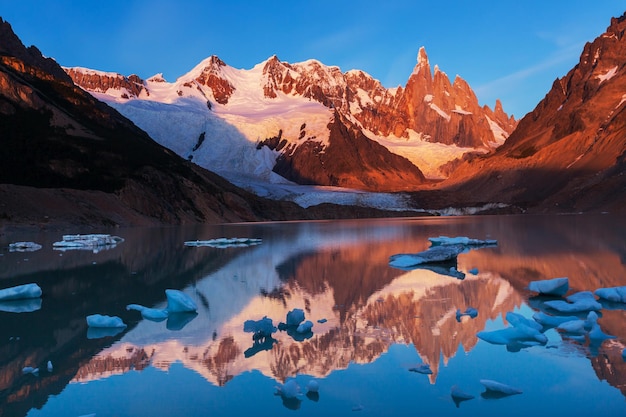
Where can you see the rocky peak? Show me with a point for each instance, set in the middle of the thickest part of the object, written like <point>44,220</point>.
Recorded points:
<point>101,82</point>
<point>210,75</point>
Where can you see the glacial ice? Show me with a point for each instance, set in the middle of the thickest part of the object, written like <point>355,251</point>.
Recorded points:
<point>557,286</point>
<point>461,240</point>
<point>523,332</point>
<point>432,255</point>
<point>305,327</point>
<point>615,294</point>
<point>100,320</point>
<point>499,387</point>
<point>24,247</point>
<point>289,389</point>
<point>516,320</point>
<point>225,242</point>
<point>30,370</point>
<point>20,292</point>
<point>551,321</point>
<point>179,302</point>
<point>21,306</point>
<point>153,314</point>
<point>576,303</point>
<point>93,242</point>
<point>313,386</point>
<point>422,368</point>
<point>260,328</point>
<point>295,317</point>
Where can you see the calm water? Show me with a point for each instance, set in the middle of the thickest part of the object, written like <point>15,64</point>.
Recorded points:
<point>379,321</point>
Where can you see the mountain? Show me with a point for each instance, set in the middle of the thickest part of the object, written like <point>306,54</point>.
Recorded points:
<point>569,153</point>
<point>68,158</point>
<point>307,123</point>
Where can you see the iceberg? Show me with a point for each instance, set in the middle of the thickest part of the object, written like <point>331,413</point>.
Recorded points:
<point>615,294</point>
<point>461,240</point>
<point>471,312</point>
<point>557,286</point>
<point>99,320</point>
<point>546,320</point>
<point>24,247</point>
<point>21,306</point>
<point>20,292</point>
<point>30,370</point>
<point>499,387</point>
<point>153,314</point>
<point>261,329</point>
<point>295,317</point>
<point>289,389</point>
<point>225,242</point>
<point>50,368</point>
<point>516,320</point>
<point>576,303</point>
<point>422,368</point>
<point>305,327</point>
<point>512,335</point>
<point>179,302</point>
<point>313,386</point>
<point>435,254</point>
<point>459,396</point>
<point>93,242</point>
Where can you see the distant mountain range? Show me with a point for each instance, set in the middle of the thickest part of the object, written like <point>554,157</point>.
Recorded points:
<point>69,158</point>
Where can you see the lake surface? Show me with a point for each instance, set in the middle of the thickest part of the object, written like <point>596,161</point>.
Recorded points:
<point>373,325</point>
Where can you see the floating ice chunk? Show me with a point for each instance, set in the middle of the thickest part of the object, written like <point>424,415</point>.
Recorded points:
<point>30,370</point>
<point>322,321</point>
<point>422,368</point>
<point>179,302</point>
<point>93,242</point>
<point>99,320</point>
<point>295,317</point>
<point>260,328</point>
<point>596,334</point>
<point>50,368</point>
<point>556,286</point>
<point>225,242</point>
<point>551,321</point>
<point>615,294</point>
<point>458,395</point>
<point>460,240</point>
<point>573,327</point>
<point>20,292</point>
<point>473,271</point>
<point>434,254</point>
<point>576,303</point>
<point>517,319</point>
<point>153,314</point>
<point>510,335</point>
<point>24,247</point>
<point>470,312</point>
<point>21,306</point>
<point>305,327</point>
<point>499,387</point>
<point>289,389</point>
<point>313,386</point>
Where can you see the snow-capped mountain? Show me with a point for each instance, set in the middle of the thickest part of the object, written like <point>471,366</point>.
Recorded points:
<point>307,123</point>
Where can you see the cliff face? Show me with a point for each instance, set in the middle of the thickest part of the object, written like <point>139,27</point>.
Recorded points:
<point>568,154</point>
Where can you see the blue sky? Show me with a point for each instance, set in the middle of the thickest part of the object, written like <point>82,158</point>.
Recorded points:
<point>511,50</point>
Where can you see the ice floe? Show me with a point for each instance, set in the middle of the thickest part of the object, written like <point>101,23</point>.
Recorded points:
<point>259,328</point>
<point>225,242</point>
<point>49,366</point>
<point>305,327</point>
<point>21,306</point>
<point>104,321</point>
<point>522,333</point>
<point>153,314</point>
<point>461,240</point>
<point>499,388</point>
<point>295,317</point>
<point>30,370</point>
<point>179,302</point>
<point>458,396</point>
<point>20,292</point>
<point>470,312</point>
<point>576,303</point>
<point>548,321</point>
<point>313,386</point>
<point>24,247</point>
<point>615,294</point>
<point>93,242</point>
<point>557,286</point>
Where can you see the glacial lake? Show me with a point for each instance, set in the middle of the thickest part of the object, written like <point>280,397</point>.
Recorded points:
<point>374,326</point>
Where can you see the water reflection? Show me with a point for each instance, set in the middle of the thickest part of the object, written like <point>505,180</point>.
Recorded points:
<point>337,272</point>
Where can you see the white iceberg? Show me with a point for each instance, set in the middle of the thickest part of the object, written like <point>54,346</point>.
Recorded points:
<point>295,317</point>
<point>422,368</point>
<point>179,302</point>
<point>548,320</point>
<point>225,242</point>
<point>511,335</point>
<point>576,303</point>
<point>461,240</point>
<point>499,387</point>
<point>434,254</point>
<point>104,321</point>
<point>305,327</point>
<point>24,247</point>
<point>20,292</point>
<point>556,286</point>
<point>615,294</point>
<point>93,242</point>
<point>153,314</point>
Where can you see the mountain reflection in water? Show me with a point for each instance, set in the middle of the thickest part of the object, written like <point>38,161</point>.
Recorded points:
<point>338,273</point>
